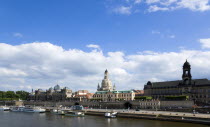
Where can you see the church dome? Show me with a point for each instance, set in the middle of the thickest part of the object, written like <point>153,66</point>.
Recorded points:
<point>57,88</point>
<point>51,88</point>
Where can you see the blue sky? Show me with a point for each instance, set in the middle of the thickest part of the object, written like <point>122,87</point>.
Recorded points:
<point>76,23</point>
<point>72,42</point>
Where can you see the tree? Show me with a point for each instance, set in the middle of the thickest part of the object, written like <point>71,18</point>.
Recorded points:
<point>2,94</point>
<point>22,94</point>
<point>10,94</point>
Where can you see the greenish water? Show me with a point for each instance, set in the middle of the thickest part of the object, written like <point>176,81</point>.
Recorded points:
<point>21,119</point>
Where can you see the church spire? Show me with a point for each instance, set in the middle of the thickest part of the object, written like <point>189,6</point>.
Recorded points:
<point>186,76</point>
<point>114,87</point>
<point>106,73</point>
<point>98,87</point>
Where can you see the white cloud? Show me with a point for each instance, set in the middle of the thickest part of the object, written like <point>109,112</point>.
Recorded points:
<point>42,65</point>
<point>168,2</point>
<point>133,6</point>
<point>123,10</point>
<point>11,72</point>
<point>195,5</point>
<point>165,5</point>
<point>205,43</point>
<point>137,1</point>
<point>93,46</point>
<point>152,1</point>
<point>155,8</point>
<point>18,35</point>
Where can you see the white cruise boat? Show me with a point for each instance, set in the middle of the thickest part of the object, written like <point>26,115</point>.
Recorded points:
<point>75,113</point>
<point>17,108</point>
<point>34,109</point>
<point>4,108</point>
<point>111,114</point>
<point>58,112</point>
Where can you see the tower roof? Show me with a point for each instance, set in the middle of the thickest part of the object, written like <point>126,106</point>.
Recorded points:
<point>106,71</point>
<point>186,64</point>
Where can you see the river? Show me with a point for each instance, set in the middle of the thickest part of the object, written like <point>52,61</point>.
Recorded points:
<point>21,119</point>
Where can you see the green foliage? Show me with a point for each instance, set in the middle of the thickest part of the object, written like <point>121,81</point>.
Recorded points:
<point>8,99</point>
<point>94,99</point>
<point>22,94</point>
<point>2,94</point>
<point>177,97</point>
<point>143,98</point>
<point>11,95</point>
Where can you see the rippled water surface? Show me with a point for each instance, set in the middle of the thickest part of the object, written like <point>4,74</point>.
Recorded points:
<point>21,119</point>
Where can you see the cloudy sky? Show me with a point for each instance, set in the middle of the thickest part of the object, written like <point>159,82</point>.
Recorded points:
<point>71,43</point>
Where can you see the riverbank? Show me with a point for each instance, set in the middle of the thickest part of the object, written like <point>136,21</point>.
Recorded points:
<point>156,115</point>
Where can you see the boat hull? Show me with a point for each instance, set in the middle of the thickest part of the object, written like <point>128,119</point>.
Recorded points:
<point>74,115</point>
<point>4,109</point>
<point>110,114</point>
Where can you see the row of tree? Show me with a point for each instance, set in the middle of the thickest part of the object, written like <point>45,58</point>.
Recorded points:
<point>12,95</point>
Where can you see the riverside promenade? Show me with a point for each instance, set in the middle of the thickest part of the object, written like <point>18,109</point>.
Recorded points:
<point>155,115</point>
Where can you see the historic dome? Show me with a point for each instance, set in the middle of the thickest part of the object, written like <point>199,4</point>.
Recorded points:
<point>50,88</point>
<point>106,84</point>
<point>57,88</point>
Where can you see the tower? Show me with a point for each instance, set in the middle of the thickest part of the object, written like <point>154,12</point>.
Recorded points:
<point>106,84</point>
<point>98,87</point>
<point>186,76</point>
<point>114,87</point>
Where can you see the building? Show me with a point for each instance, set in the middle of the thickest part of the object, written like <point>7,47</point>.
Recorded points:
<point>108,93</point>
<point>197,90</point>
<point>149,104</point>
<point>106,84</point>
<point>83,94</point>
<point>52,94</point>
<point>138,93</point>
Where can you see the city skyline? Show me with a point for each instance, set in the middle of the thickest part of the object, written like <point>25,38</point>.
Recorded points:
<point>71,43</point>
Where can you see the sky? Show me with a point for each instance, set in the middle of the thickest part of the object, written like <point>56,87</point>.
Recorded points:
<point>72,43</point>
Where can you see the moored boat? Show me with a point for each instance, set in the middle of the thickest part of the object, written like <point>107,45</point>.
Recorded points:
<point>111,114</point>
<point>34,109</point>
<point>17,108</point>
<point>4,108</point>
<point>58,112</point>
<point>75,113</point>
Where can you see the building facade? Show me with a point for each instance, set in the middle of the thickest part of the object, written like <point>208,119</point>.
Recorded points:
<point>83,94</point>
<point>108,93</point>
<point>197,90</point>
<point>52,94</point>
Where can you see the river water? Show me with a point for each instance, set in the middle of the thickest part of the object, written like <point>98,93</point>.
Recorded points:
<point>21,119</point>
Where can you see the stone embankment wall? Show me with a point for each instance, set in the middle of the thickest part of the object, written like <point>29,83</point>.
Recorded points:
<point>178,104</point>
<point>119,105</point>
<point>155,115</point>
<point>8,103</point>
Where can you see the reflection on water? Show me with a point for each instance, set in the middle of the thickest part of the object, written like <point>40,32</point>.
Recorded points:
<point>21,119</point>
